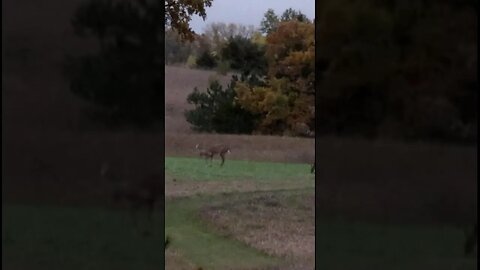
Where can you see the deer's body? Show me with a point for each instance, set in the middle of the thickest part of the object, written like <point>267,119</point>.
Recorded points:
<point>219,149</point>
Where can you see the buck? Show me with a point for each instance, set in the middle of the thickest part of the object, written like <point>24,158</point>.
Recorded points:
<point>209,153</point>
<point>141,194</point>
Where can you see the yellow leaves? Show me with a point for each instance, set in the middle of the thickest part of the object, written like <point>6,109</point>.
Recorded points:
<point>273,102</point>
<point>247,98</point>
<point>291,36</point>
<point>291,54</point>
<point>259,39</point>
<point>289,94</point>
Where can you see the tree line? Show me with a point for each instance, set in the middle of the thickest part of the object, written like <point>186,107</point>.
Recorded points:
<point>399,69</point>
<point>273,91</point>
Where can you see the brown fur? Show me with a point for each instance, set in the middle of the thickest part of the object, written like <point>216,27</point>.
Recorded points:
<point>210,152</point>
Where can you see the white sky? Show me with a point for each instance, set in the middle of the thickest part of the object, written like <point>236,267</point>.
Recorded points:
<point>249,12</point>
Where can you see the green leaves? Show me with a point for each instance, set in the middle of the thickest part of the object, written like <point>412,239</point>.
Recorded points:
<point>244,55</point>
<point>216,111</point>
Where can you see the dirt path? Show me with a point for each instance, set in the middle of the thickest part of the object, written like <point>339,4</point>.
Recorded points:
<point>178,188</point>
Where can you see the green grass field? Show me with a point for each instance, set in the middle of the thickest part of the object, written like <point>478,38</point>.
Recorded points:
<point>203,247</point>
<point>196,169</point>
<point>50,237</point>
<point>193,238</point>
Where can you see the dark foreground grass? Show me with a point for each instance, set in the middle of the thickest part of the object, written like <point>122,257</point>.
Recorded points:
<point>76,238</point>
<point>204,248</point>
<point>367,246</point>
<point>48,237</point>
<point>198,169</point>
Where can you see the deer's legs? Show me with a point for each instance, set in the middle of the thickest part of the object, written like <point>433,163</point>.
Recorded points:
<point>211,160</point>
<point>223,159</point>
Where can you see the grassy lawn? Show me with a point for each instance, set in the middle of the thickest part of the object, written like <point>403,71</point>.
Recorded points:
<point>200,243</point>
<point>76,238</point>
<point>196,169</point>
<point>201,246</point>
<point>73,238</point>
<point>66,238</point>
<point>48,237</point>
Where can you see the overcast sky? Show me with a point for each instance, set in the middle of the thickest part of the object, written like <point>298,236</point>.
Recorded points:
<point>249,12</point>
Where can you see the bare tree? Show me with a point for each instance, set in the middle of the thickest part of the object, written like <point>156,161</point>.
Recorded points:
<point>210,152</point>
<point>143,193</point>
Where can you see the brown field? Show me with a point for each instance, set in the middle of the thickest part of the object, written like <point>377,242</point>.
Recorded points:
<point>269,222</point>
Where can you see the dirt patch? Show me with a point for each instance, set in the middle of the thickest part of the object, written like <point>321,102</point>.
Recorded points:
<point>175,188</point>
<point>176,261</point>
<point>278,224</point>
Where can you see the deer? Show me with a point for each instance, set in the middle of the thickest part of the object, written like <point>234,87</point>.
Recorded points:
<point>210,152</point>
<point>141,194</point>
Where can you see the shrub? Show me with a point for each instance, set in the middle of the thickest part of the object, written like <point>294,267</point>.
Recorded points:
<point>206,60</point>
<point>216,111</point>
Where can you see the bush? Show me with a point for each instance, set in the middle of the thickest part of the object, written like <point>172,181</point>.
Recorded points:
<point>206,60</point>
<point>216,111</point>
<point>245,56</point>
